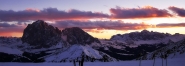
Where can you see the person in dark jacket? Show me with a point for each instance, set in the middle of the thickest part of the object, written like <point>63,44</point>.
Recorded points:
<point>82,60</point>
<point>74,62</point>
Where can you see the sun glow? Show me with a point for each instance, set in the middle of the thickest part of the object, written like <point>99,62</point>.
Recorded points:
<point>164,20</point>
<point>12,34</point>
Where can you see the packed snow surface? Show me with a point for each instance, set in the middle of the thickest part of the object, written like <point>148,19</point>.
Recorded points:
<point>10,50</point>
<point>171,62</point>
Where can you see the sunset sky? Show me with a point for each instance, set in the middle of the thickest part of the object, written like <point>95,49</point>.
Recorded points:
<point>100,18</point>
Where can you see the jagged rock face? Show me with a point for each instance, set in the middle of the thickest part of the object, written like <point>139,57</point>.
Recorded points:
<point>76,35</point>
<point>40,34</point>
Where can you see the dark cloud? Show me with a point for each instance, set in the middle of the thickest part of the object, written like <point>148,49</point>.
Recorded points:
<point>11,29</point>
<point>89,26</point>
<point>48,14</point>
<point>144,12</point>
<point>100,25</point>
<point>7,25</point>
<point>53,14</point>
<point>178,11</point>
<point>170,25</point>
<point>93,30</point>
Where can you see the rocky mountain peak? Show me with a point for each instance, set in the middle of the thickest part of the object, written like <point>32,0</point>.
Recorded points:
<point>40,34</point>
<point>76,35</point>
<point>40,23</point>
<point>145,31</point>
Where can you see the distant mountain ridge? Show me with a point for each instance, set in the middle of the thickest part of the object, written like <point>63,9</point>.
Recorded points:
<point>143,35</point>
<point>129,46</point>
<point>146,36</point>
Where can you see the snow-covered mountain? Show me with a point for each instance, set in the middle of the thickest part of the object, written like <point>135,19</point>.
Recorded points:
<point>77,52</point>
<point>147,37</point>
<point>172,50</point>
<point>129,46</point>
<point>12,55</point>
<point>41,40</point>
<point>10,50</point>
<point>128,52</point>
<point>44,43</point>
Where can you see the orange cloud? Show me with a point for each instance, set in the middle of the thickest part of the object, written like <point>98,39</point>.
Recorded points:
<point>32,9</point>
<point>7,29</point>
<point>101,25</point>
<point>141,12</point>
<point>164,25</point>
<point>94,30</point>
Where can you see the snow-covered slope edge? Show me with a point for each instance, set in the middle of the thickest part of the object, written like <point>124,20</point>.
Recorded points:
<point>173,50</point>
<point>10,50</point>
<point>77,52</point>
<point>12,55</point>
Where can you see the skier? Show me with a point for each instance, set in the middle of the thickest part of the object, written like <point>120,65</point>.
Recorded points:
<point>74,62</point>
<point>82,60</point>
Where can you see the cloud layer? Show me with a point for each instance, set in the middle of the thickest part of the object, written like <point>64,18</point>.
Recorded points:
<point>7,25</point>
<point>178,11</point>
<point>76,18</point>
<point>90,26</point>
<point>144,12</point>
<point>100,25</point>
<point>170,25</point>
<point>6,28</point>
<point>48,14</point>
<point>54,14</point>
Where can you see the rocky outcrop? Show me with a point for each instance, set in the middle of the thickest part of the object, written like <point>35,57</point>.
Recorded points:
<point>76,35</point>
<point>40,34</point>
